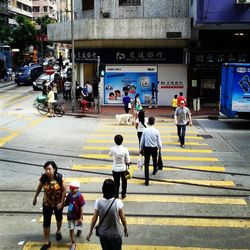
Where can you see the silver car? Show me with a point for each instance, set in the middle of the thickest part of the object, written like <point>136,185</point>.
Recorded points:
<point>44,79</point>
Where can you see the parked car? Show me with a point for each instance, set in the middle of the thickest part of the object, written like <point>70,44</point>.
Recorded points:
<point>28,74</point>
<point>44,79</point>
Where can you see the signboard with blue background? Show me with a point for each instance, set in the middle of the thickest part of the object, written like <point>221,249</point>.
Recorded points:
<point>133,79</point>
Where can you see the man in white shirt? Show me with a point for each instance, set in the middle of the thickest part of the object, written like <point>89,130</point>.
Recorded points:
<point>149,145</point>
<point>121,160</point>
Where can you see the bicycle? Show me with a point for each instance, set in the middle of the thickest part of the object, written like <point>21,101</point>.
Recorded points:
<point>42,108</point>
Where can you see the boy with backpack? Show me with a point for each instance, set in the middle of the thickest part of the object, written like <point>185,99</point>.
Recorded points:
<point>75,202</point>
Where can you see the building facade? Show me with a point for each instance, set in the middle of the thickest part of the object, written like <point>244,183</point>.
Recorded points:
<point>220,34</point>
<point>137,42</point>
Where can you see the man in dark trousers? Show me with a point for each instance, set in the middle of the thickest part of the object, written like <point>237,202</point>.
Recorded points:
<point>149,145</point>
<point>154,96</point>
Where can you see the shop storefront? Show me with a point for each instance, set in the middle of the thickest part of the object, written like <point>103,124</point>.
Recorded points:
<point>135,70</point>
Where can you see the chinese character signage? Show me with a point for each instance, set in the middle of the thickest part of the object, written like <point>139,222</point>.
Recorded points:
<point>133,79</point>
<point>125,56</point>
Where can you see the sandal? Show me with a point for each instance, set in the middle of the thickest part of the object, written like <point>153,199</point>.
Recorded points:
<point>45,246</point>
<point>58,236</point>
<point>72,246</point>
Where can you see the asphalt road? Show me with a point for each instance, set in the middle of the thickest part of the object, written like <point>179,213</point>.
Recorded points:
<point>199,201</point>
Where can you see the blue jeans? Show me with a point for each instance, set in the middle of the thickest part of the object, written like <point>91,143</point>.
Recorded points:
<point>181,131</point>
<point>111,244</point>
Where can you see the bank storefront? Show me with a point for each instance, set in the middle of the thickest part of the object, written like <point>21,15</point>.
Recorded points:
<point>133,70</point>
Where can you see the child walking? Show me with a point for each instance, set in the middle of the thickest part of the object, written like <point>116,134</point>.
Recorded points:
<point>174,104</point>
<point>121,160</point>
<point>75,202</point>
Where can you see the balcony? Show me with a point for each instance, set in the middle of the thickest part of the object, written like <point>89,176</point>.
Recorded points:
<point>122,29</point>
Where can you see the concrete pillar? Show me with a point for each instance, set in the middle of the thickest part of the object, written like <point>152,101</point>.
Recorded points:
<point>81,80</point>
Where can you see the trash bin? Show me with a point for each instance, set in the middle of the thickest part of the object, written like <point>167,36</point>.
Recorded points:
<point>196,104</point>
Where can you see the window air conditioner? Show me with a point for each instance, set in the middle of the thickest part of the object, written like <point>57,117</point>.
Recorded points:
<point>242,1</point>
<point>106,14</point>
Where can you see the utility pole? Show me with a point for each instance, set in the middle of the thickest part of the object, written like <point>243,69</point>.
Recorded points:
<point>73,83</point>
<point>98,77</point>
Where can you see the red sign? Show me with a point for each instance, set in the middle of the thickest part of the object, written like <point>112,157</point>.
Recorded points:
<point>42,37</point>
<point>50,70</point>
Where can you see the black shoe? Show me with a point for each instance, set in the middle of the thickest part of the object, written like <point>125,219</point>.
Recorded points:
<point>45,246</point>
<point>124,196</point>
<point>146,183</point>
<point>155,171</point>
<point>182,145</point>
<point>58,236</point>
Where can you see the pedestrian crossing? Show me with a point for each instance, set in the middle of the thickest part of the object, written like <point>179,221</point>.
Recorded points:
<point>152,209</point>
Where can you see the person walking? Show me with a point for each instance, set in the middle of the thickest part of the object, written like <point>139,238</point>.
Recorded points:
<point>54,195</point>
<point>51,101</point>
<point>137,105</point>
<point>182,118</point>
<point>174,104</point>
<point>140,124</point>
<point>127,102</point>
<point>110,211</point>
<point>181,98</point>
<point>75,202</point>
<point>121,160</point>
<point>153,96</point>
<point>149,145</point>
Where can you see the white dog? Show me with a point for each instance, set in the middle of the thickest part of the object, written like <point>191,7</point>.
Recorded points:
<point>124,118</point>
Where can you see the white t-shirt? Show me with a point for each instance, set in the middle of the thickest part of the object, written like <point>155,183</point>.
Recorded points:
<point>51,96</point>
<point>140,127</point>
<point>120,158</point>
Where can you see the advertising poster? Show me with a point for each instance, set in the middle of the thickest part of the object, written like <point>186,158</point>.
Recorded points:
<point>241,89</point>
<point>133,79</point>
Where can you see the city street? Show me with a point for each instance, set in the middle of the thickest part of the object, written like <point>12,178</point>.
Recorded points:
<point>200,200</point>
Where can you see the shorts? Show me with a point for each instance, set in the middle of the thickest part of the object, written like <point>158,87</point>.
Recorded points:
<point>47,213</point>
<point>73,224</point>
<point>51,105</point>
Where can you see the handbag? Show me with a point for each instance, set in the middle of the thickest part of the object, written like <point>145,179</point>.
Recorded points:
<point>159,162</point>
<point>129,105</point>
<point>140,162</point>
<point>98,226</point>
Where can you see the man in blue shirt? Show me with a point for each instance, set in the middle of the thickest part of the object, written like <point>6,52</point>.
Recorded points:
<point>126,100</point>
<point>149,145</point>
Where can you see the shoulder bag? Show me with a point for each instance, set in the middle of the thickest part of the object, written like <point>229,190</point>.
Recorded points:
<point>98,226</point>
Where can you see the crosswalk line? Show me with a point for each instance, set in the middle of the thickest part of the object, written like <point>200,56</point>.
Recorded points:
<point>86,246</point>
<point>206,151</point>
<point>165,158</point>
<point>180,222</point>
<point>134,135</point>
<point>111,141</point>
<point>179,168</point>
<point>134,131</point>
<point>89,180</point>
<point>139,198</point>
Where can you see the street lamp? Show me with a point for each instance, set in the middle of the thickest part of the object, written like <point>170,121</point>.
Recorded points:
<point>73,84</point>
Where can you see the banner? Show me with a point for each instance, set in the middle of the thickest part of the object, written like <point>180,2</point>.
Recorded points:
<point>133,79</point>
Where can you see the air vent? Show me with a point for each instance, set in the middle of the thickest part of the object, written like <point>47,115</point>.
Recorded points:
<point>106,14</point>
<point>173,35</point>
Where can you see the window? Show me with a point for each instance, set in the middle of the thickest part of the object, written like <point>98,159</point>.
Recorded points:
<point>36,9</point>
<point>87,4</point>
<point>129,2</point>
<point>45,8</point>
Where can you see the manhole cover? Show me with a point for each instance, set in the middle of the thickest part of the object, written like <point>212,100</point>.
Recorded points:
<point>206,136</point>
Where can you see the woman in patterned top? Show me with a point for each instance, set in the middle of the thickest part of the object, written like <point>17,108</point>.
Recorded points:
<point>54,194</point>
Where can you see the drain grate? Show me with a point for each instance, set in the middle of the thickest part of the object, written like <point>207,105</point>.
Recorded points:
<point>206,136</point>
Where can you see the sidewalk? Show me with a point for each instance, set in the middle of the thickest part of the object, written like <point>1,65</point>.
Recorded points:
<point>111,111</point>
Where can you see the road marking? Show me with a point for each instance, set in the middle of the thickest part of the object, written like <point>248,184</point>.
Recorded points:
<point>87,180</point>
<point>16,101</point>
<point>174,199</point>
<point>136,142</point>
<point>133,132</point>
<point>9,137</point>
<point>166,158</point>
<point>181,222</point>
<point>206,151</point>
<point>9,98</point>
<point>134,135</point>
<point>109,167</point>
<point>86,246</point>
